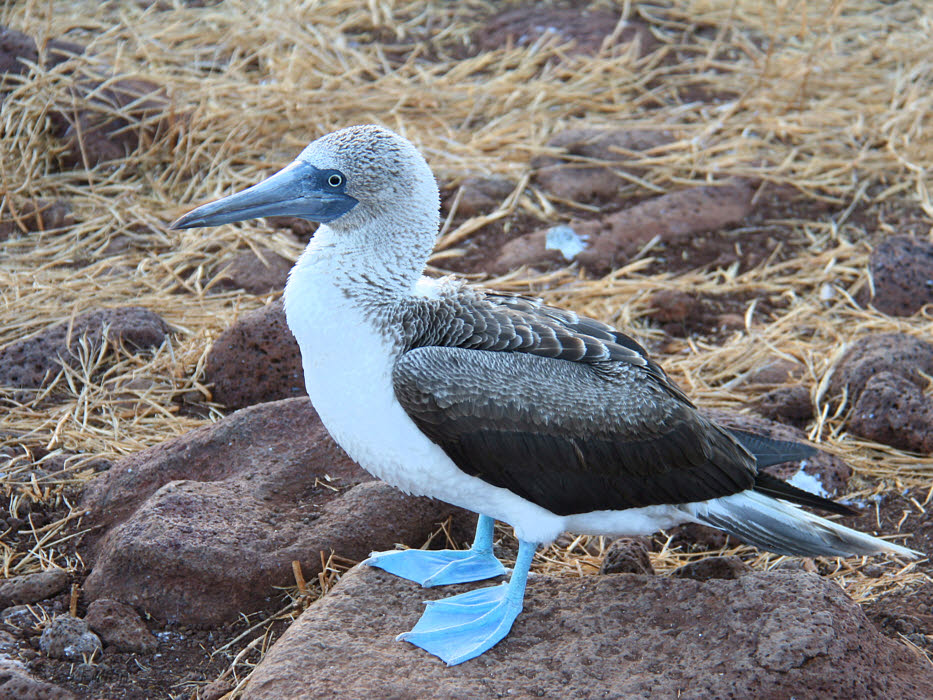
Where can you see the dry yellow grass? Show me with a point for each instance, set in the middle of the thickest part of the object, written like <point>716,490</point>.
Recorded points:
<point>832,98</point>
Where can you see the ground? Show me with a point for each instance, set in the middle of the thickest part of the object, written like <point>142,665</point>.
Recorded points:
<point>164,105</point>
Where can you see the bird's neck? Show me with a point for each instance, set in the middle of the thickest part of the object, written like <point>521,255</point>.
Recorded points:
<point>374,266</point>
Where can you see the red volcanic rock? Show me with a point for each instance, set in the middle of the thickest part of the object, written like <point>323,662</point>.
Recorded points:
<point>762,635</point>
<point>33,215</point>
<point>574,175</point>
<point>31,362</point>
<point>902,275</point>
<point>600,245</point>
<point>894,411</point>
<point>587,29</point>
<point>256,360</point>
<point>256,274</point>
<point>119,626</point>
<point>206,526</point>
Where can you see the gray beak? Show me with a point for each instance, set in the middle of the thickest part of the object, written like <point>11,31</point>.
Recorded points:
<point>299,190</point>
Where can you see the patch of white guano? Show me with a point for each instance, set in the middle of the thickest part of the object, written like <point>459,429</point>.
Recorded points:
<point>808,482</point>
<point>566,240</point>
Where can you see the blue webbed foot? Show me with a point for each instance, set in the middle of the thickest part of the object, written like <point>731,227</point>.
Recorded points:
<point>463,626</point>
<point>438,568</point>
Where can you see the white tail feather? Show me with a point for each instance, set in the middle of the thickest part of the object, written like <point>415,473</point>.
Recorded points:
<point>783,528</point>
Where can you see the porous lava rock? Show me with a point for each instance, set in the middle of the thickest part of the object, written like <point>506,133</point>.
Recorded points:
<point>894,411</point>
<point>18,50</point>
<point>68,637</point>
<point>602,244</point>
<point>206,526</point>
<point>900,353</point>
<point>790,404</point>
<point>902,275</point>
<point>30,588</point>
<point>762,635</point>
<point>477,195</point>
<point>17,684</point>
<point>884,377</point>
<point>31,362</point>
<point>119,626</point>
<point>112,118</point>
<point>574,172</point>
<point>587,28</point>
<point>255,360</point>
<point>33,215</point>
<point>627,555</point>
<point>728,567</point>
<point>255,273</point>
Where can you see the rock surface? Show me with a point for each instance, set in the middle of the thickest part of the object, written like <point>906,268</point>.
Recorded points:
<point>31,362</point>
<point>17,684</point>
<point>627,555</point>
<point>203,527</point>
<point>33,215</point>
<point>573,174</point>
<point>587,29</point>
<point>764,635</point>
<point>713,567</point>
<point>256,274</point>
<point>600,245</point>
<point>870,355</point>
<point>119,626</point>
<point>884,377</point>
<point>115,117</point>
<point>894,411</point>
<point>32,587</point>
<point>902,275</point>
<point>68,637</point>
<point>478,195</point>
<point>256,360</point>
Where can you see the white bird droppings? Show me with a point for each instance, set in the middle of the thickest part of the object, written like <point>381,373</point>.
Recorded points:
<point>566,240</point>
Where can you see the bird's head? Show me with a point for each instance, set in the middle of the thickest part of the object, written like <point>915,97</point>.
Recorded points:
<point>358,174</point>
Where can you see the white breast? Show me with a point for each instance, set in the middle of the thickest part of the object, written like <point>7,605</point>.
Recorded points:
<point>348,374</point>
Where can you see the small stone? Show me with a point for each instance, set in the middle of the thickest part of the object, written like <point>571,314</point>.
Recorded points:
<point>583,29</point>
<point>627,555</point>
<point>902,275</point>
<point>787,404</point>
<point>900,353</point>
<point>119,115</point>
<point>216,689</point>
<point>478,195</point>
<point>894,411</point>
<point>69,638</point>
<point>33,215</point>
<point>21,617</point>
<point>302,229</point>
<point>728,567</point>
<point>672,306</point>
<point>119,626</point>
<point>32,587</point>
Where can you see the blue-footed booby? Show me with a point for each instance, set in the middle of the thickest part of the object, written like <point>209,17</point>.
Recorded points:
<point>515,410</point>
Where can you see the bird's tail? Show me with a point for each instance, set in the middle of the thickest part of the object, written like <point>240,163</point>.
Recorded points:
<point>780,527</point>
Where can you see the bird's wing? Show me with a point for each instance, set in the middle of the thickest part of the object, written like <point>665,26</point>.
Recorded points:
<point>562,410</point>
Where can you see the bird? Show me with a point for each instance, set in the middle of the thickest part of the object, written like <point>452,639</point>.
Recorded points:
<point>518,411</point>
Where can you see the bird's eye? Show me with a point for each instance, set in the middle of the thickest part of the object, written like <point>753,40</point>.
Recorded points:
<point>335,180</point>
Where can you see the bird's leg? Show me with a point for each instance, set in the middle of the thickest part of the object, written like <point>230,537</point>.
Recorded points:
<point>441,567</point>
<point>463,626</point>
